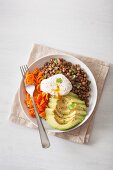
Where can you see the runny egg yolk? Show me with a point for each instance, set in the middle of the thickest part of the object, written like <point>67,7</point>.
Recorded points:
<point>57,90</point>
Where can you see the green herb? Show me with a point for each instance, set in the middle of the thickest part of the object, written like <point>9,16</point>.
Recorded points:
<point>72,106</point>
<point>78,85</point>
<point>58,80</point>
<point>44,76</point>
<point>55,61</point>
<point>74,71</point>
<point>58,71</point>
<point>74,76</point>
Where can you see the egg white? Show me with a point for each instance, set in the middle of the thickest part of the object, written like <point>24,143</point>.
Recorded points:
<point>50,84</point>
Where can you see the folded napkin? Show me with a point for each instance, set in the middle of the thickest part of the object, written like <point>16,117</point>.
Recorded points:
<point>99,70</point>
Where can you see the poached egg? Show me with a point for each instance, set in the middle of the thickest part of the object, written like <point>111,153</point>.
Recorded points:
<point>57,85</point>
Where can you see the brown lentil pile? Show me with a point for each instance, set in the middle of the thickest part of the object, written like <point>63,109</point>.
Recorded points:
<point>76,75</point>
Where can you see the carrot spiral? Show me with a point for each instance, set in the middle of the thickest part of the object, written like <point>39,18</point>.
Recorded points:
<point>41,99</point>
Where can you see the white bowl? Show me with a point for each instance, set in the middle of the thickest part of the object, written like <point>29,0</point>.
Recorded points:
<point>92,100</point>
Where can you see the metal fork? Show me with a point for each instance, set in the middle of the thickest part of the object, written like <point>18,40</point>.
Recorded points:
<point>30,89</point>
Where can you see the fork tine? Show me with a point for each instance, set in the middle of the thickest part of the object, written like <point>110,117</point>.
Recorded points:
<point>22,71</point>
<point>25,68</point>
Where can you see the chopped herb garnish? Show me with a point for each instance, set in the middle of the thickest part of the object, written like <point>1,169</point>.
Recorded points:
<point>72,105</point>
<point>74,71</point>
<point>44,76</point>
<point>58,80</point>
<point>78,85</point>
<point>58,71</point>
<point>74,76</point>
<point>55,61</point>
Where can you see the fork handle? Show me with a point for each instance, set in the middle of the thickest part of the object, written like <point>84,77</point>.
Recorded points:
<point>43,135</point>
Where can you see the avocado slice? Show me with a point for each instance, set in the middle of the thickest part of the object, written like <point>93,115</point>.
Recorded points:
<point>81,112</point>
<point>66,119</point>
<point>50,117</point>
<point>81,107</point>
<point>62,115</point>
<point>63,104</point>
<point>65,110</point>
<point>63,120</point>
<point>72,113</point>
<point>65,113</point>
<point>72,94</point>
<point>52,102</point>
<point>73,99</point>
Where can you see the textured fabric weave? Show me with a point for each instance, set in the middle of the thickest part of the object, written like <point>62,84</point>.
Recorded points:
<point>99,70</point>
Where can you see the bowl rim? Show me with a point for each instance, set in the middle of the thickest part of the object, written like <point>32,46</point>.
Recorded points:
<point>96,91</point>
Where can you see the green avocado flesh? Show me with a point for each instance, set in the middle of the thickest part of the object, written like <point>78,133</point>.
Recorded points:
<point>65,113</point>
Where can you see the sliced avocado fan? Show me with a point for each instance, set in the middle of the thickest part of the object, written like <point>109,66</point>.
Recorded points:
<point>65,113</point>
<point>50,117</point>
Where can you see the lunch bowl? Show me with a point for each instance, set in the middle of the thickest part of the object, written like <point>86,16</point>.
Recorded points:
<point>74,60</point>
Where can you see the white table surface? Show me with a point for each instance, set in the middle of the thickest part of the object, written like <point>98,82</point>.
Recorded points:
<point>80,26</point>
